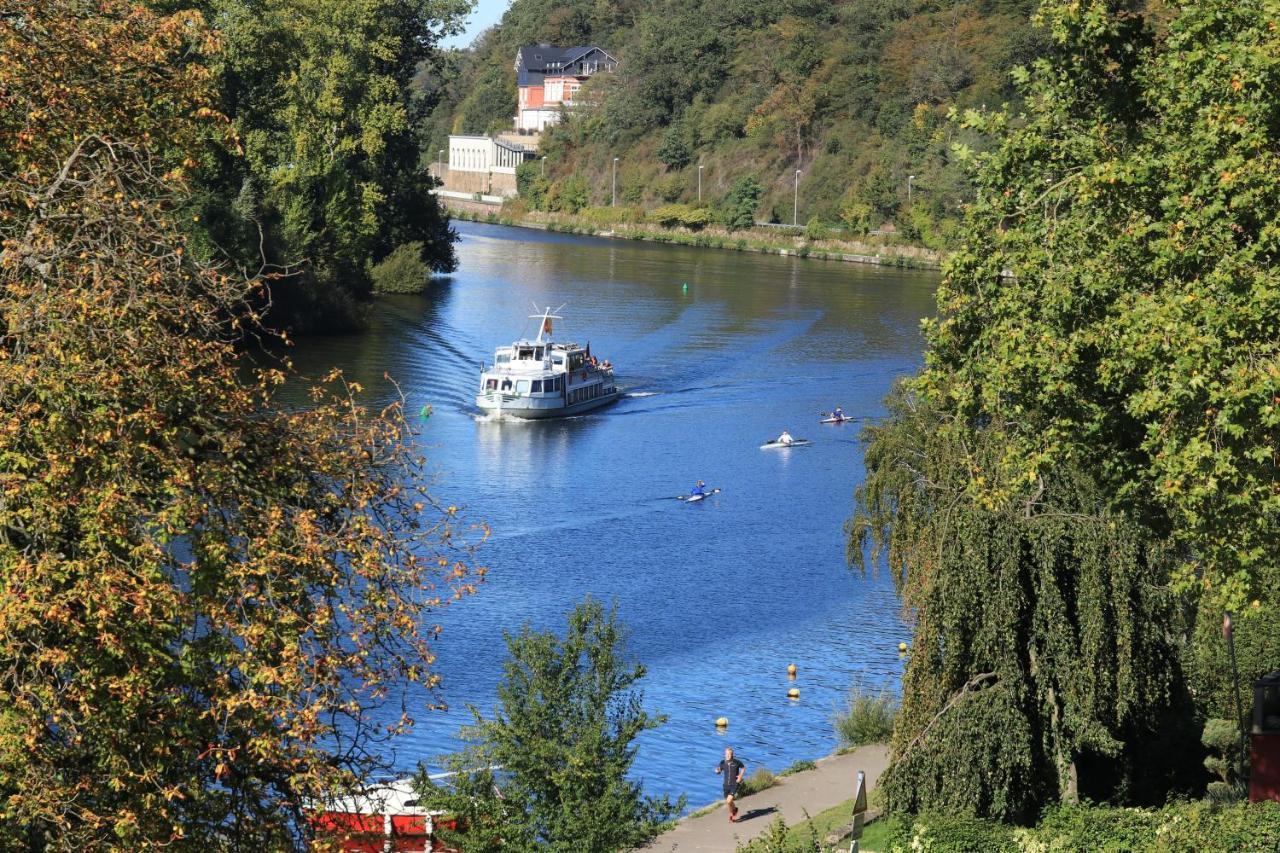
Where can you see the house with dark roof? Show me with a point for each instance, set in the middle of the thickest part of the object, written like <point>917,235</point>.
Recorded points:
<point>547,78</point>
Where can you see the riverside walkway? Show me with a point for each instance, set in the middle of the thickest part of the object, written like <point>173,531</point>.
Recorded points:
<point>829,784</point>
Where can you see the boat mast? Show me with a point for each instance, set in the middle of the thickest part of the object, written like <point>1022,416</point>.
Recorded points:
<point>544,318</point>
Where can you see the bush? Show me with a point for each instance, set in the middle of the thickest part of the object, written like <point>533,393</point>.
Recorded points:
<point>402,271</point>
<point>1200,826</point>
<point>738,207</point>
<point>681,216</point>
<point>760,779</point>
<point>568,195</point>
<point>799,767</point>
<point>867,718</point>
<point>670,187</point>
<point>780,838</point>
<point>951,834</point>
<point>531,186</point>
<point>815,230</point>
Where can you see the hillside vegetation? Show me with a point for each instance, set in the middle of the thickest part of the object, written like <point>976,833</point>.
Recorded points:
<point>855,93</point>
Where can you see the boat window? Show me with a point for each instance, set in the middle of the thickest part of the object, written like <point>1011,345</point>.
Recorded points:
<point>522,387</point>
<point>526,353</point>
<point>537,386</point>
<point>557,359</point>
<point>503,359</point>
<point>491,384</point>
<point>506,385</point>
<point>537,353</point>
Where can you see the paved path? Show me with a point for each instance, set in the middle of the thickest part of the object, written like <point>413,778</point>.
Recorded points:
<point>830,784</point>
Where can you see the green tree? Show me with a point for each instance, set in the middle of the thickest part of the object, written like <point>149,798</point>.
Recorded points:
<point>205,596</point>
<point>564,736</point>
<point>738,207</point>
<point>531,186</point>
<point>1101,380</point>
<point>675,150</point>
<point>319,95</point>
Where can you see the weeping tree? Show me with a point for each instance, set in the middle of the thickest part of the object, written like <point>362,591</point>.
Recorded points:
<point>1043,663</point>
<point>1089,454</point>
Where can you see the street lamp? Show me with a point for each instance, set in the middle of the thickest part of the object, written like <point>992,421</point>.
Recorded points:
<point>910,180</point>
<point>544,165</point>
<point>440,163</point>
<point>795,203</point>
<point>699,182</point>
<point>615,182</point>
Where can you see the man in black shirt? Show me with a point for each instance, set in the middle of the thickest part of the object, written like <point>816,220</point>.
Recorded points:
<point>731,769</point>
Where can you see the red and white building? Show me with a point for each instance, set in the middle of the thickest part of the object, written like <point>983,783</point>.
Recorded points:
<point>548,77</point>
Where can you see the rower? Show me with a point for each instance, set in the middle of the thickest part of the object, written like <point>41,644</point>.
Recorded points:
<point>838,414</point>
<point>697,489</point>
<point>785,438</point>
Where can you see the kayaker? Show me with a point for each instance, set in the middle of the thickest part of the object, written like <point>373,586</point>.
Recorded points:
<point>785,438</point>
<point>838,414</point>
<point>697,489</point>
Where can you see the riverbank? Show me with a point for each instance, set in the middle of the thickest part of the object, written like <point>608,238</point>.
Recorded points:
<point>794,798</point>
<point>781,241</point>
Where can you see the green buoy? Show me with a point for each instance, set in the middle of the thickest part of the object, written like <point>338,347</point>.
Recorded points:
<point>684,288</point>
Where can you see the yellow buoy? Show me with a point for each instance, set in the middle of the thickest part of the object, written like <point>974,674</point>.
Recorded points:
<point>791,670</point>
<point>793,693</point>
<point>721,722</point>
<point>902,647</point>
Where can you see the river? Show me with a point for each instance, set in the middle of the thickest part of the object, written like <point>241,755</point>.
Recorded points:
<point>718,597</point>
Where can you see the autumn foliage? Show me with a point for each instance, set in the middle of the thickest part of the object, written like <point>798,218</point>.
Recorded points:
<point>203,593</point>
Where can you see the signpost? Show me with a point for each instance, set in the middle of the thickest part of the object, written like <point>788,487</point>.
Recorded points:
<point>859,811</point>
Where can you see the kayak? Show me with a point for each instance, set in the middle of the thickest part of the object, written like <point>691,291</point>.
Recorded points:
<point>831,420</point>
<point>796,442</point>
<point>693,499</point>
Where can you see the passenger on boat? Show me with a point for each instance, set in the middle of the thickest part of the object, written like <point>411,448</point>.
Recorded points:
<point>785,438</point>
<point>697,489</point>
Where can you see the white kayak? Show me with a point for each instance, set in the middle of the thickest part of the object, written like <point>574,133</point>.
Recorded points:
<point>693,499</point>
<point>795,442</point>
<point>831,420</point>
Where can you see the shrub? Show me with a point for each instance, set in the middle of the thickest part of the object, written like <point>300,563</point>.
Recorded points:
<point>531,186</point>
<point>696,218</point>
<point>1200,826</point>
<point>867,717</point>
<point>799,767</point>
<point>670,187</point>
<point>780,838</point>
<point>738,207</point>
<point>815,230</point>
<point>402,271</point>
<point>760,779</point>
<point>568,195</point>
<point>951,834</point>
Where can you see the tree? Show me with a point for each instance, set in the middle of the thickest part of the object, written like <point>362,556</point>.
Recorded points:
<point>1102,375</point>
<point>675,150</point>
<point>563,736</point>
<point>1042,665</point>
<point>320,96</point>
<point>204,595</point>
<point>738,208</point>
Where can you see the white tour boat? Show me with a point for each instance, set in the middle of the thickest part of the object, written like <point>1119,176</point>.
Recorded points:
<point>544,379</point>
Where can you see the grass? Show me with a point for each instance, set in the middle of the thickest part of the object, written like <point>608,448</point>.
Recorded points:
<point>797,838</point>
<point>867,717</point>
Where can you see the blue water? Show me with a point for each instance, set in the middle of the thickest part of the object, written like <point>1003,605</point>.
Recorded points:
<point>719,597</point>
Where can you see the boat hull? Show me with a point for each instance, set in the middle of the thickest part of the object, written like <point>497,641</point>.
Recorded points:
<point>534,408</point>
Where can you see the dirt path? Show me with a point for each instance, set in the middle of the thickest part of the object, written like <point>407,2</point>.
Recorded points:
<point>830,784</point>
